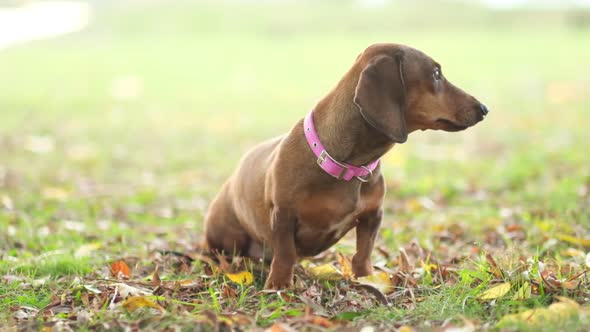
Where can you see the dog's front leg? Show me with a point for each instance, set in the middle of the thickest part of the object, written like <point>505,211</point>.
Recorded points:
<point>366,232</point>
<point>283,247</point>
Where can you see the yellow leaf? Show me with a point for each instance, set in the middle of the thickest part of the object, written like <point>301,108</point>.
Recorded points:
<point>241,278</point>
<point>555,313</point>
<point>305,263</point>
<point>55,193</point>
<point>428,267</point>
<point>524,292</point>
<point>571,252</point>
<point>345,266</point>
<point>86,249</point>
<point>414,205</point>
<point>325,272</point>
<point>135,302</point>
<point>379,280</point>
<point>496,291</point>
<point>405,328</point>
<point>545,225</point>
<point>573,239</point>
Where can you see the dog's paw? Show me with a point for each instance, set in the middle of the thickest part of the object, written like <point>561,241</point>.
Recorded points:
<point>362,268</point>
<point>278,282</point>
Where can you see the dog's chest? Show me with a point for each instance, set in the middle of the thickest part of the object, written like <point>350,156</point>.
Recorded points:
<point>324,219</point>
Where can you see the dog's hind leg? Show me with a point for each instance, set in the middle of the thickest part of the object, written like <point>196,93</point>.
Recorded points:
<point>223,231</point>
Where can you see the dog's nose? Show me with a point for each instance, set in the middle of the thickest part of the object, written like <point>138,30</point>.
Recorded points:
<point>483,109</point>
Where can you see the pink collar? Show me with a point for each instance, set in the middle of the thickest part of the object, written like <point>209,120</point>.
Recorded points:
<point>341,171</point>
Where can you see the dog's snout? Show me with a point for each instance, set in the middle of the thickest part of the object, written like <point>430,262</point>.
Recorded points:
<point>483,109</point>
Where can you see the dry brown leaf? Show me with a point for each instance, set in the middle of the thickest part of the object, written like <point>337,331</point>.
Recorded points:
<point>156,277</point>
<point>223,263</point>
<point>404,263</point>
<point>550,279</point>
<point>84,299</point>
<point>228,292</point>
<point>320,321</point>
<point>278,327</point>
<point>495,270</point>
<point>120,269</point>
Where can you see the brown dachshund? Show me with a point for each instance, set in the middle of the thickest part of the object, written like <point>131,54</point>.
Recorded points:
<point>284,203</point>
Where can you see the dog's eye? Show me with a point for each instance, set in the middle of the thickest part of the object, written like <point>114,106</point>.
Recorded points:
<point>437,74</point>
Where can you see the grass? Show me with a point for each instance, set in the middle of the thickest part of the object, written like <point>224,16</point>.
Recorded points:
<point>114,139</point>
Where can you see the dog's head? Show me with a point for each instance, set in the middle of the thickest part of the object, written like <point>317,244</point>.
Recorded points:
<point>401,89</point>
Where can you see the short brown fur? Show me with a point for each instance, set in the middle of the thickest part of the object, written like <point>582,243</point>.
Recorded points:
<point>279,201</point>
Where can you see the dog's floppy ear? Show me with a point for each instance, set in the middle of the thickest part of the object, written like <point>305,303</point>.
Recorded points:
<point>380,96</point>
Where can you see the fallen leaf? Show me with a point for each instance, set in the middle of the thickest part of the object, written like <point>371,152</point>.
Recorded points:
<point>496,292</point>
<point>224,265</point>
<point>120,269</point>
<point>345,266</point>
<point>85,300</point>
<point>379,280</point>
<point>429,267</point>
<point>228,292</point>
<point>156,277</point>
<point>320,321</point>
<point>278,327</point>
<point>86,249</point>
<point>379,296</point>
<point>135,302</point>
<point>404,263</point>
<point>535,318</point>
<point>242,278</point>
<point>495,270</point>
<point>571,285</point>
<point>92,289</point>
<point>414,205</point>
<point>573,252</point>
<point>550,279</point>
<point>573,240</point>
<point>55,193</point>
<point>523,292</point>
<point>325,272</point>
<point>126,290</point>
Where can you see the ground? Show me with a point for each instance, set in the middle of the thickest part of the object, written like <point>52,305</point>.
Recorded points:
<point>114,139</point>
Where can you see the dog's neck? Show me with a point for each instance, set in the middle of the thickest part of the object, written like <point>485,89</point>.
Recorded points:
<point>344,132</point>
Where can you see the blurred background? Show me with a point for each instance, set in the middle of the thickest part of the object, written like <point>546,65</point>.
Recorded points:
<point>139,110</point>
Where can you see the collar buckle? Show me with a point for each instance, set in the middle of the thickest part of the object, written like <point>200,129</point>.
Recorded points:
<point>367,176</point>
<point>322,159</point>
